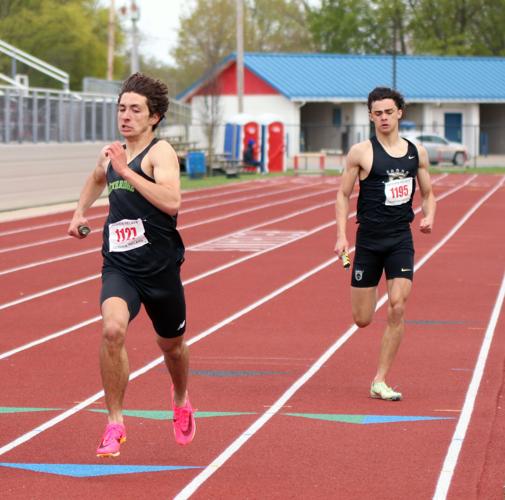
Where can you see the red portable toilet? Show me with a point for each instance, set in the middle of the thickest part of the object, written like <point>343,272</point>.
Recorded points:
<point>272,144</point>
<point>251,132</point>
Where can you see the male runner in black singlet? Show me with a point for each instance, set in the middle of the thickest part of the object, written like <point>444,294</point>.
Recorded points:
<point>387,167</point>
<point>142,253</point>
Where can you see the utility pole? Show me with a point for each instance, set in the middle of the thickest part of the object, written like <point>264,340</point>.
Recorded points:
<point>240,55</point>
<point>394,52</point>
<point>110,44</point>
<point>135,16</point>
<point>134,12</point>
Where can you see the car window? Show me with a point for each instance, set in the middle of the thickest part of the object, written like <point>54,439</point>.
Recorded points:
<point>434,139</point>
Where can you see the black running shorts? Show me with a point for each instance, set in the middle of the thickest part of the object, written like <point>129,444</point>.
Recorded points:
<point>374,253</point>
<point>162,295</point>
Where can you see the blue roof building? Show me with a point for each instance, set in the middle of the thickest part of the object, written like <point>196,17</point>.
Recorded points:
<point>322,97</point>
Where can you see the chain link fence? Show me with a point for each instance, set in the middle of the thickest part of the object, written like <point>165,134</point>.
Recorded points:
<point>484,143</point>
<point>46,115</point>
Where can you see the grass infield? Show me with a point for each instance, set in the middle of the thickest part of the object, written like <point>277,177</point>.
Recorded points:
<point>219,179</point>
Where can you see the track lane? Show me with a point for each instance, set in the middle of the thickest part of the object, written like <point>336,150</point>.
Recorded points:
<point>80,310</point>
<point>340,387</point>
<point>100,420</point>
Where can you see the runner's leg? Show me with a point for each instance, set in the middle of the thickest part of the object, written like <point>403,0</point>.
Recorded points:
<point>363,302</point>
<point>398,293</point>
<point>114,366</point>
<point>176,354</point>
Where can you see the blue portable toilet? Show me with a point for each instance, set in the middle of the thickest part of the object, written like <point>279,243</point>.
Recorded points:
<point>195,164</point>
<point>234,135</point>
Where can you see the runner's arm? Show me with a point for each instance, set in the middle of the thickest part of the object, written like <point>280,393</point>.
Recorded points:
<point>429,203</point>
<point>91,191</point>
<point>348,180</point>
<point>165,192</point>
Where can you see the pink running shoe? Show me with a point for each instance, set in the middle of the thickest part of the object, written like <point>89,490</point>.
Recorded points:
<point>113,437</point>
<point>184,422</point>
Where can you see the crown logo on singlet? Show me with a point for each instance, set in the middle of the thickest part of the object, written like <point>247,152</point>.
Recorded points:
<point>396,174</point>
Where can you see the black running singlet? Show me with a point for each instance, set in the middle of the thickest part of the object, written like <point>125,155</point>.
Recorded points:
<point>138,238</point>
<point>385,196</point>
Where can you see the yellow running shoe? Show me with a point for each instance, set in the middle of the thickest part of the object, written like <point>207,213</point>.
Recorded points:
<point>380,390</point>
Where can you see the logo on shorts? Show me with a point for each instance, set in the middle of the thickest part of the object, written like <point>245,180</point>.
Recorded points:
<point>181,326</point>
<point>406,269</point>
<point>358,274</point>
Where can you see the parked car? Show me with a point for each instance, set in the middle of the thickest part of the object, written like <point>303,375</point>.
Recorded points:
<point>439,149</point>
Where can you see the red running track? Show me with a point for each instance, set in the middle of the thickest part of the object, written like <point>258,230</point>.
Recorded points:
<point>279,374</point>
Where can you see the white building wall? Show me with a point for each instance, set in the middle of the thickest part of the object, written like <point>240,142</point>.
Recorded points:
<point>287,111</point>
<point>434,121</point>
<point>360,130</point>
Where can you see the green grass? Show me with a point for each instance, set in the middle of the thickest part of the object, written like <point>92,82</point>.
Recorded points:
<point>220,179</point>
<point>468,170</point>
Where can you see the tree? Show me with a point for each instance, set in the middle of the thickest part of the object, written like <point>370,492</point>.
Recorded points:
<point>340,26</point>
<point>360,26</point>
<point>458,27</point>
<point>69,34</point>
<point>277,26</point>
<point>208,33</point>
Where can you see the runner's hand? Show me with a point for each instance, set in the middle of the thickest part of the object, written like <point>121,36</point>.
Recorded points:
<point>117,156</point>
<point>426,225</point>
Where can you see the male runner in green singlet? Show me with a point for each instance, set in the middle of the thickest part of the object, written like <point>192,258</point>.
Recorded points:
<point>142,253</point>
<point>387,167</point>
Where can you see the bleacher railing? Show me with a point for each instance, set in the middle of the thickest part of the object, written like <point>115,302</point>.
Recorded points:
<point>47,115</point>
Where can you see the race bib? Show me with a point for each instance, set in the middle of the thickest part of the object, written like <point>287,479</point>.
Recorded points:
<point>398,191</point>
<point>126,235</point>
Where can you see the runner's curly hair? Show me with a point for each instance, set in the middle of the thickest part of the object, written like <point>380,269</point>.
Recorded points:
<point>380,93</point>
<point>155,91</point>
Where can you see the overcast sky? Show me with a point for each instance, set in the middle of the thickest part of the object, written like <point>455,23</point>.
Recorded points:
<point>159,22</point>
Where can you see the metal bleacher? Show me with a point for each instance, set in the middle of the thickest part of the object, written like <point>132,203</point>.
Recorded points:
<point>32,114</point>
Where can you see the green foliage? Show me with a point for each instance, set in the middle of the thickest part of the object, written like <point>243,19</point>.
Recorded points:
<point>205,37</point>
<point>340,26</point>
<point>208,33</point>
<point>445,27</point>
<point>276,26</point>
<point>69,34</point>
<point>360,26</point>
<point>459,27</point>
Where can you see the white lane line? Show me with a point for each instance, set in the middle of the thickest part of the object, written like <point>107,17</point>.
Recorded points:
<point>59,418</point>
<point>48,291</point>
<point>182,212</point>
<point>247,198</point>
<point>451,459</point>
<point>180,228</point>
<point>104,214</point>
<point>199,277</point>
<point>48,261</point>
<point>96,276</point>
<point>52,336</point>
<point>222,268</point>
<point>36,227</point>
<point>221,459</point>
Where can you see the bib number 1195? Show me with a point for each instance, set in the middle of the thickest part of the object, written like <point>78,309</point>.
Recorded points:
<point>398,191</point>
